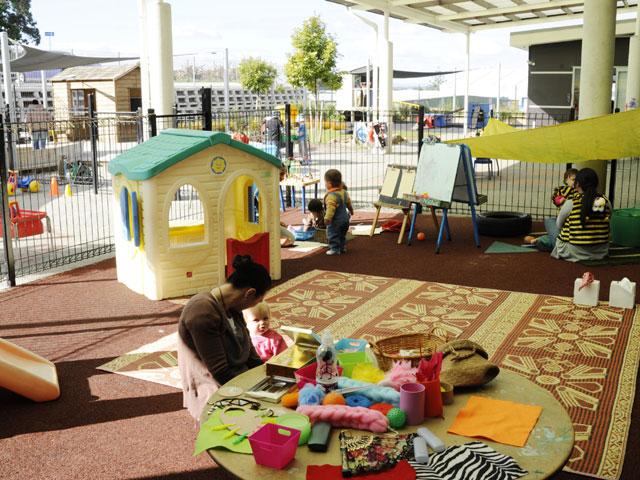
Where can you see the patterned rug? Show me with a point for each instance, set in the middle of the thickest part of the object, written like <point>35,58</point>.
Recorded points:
<point>586,357</point>
<point>155,362</point>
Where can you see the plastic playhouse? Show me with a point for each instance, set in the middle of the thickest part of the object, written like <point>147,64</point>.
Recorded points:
<point>179,197</point>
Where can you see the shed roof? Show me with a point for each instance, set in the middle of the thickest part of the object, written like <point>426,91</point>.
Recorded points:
<point>173,145</point>
<point>111,72</point>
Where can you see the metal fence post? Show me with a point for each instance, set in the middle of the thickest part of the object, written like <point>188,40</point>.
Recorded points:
<point>9,130</point>
<point>612,181</point>
<point>153,126</point>
<point>139,126</point>
<point>93,135</point>
<point>287,127</point>
<point>6,215</point>
<point>174,117</point>
<point>420,128</point>
<point>205,95</point>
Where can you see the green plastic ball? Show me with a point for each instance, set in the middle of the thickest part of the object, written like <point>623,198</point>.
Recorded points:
<point>397,418</point>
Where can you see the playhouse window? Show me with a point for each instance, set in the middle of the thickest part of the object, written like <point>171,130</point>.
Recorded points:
<point>186,218</point>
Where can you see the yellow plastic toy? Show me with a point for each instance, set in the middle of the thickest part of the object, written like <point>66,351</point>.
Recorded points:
<point>11,189</point>
<point>27,374</point>
<point>34,186</point>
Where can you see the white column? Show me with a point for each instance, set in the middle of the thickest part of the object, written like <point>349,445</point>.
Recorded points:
<point>455,93</point>
<point>633,72</point>
<point>144,56</point>
<point>6,70</point>
<point>386,80</point>
<point>498,99</point>
<point>596,73</point>
<point>465,105</point>
<point>160,57</point>
<point>226,89</point>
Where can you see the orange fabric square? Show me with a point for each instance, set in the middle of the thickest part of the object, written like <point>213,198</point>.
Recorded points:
<point>499,420</point>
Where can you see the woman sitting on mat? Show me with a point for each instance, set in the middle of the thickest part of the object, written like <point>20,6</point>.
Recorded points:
<point>214,344</point>
<point>581,231</point>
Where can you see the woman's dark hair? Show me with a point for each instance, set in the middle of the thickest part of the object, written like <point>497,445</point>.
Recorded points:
<point>249,274</point>
<point>315,205</point>
<point>587,179</point>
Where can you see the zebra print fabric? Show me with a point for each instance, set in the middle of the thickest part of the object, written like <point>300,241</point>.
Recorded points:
<point>474,460</point>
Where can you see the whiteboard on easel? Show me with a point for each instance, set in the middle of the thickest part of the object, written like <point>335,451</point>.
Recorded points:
<point>445,173</point>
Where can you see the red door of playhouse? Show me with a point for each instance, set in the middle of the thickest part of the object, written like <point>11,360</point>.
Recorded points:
<point>257,246</point>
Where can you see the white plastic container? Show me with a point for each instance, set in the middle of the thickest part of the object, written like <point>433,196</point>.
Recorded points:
<point>588,296</point>
<point>327,368</point>
<point>622,294</point>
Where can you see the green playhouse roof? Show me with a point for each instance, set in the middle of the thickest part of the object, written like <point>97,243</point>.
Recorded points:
<point>173,145</point>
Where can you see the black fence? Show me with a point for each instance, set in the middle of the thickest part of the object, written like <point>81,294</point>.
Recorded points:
<point>57,194</point>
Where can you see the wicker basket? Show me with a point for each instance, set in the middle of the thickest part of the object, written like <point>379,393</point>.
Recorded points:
<point>387,350</point>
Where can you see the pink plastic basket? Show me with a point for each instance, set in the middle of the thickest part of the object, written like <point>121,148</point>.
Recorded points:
<point>307,374</point>
<point>274,445</point>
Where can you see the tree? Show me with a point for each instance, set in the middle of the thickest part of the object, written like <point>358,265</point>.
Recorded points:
<point>257,76</point>
<point>313,61</point>
<point>17,21</point>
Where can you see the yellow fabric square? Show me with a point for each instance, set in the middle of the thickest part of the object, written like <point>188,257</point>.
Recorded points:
<point>498,420</point>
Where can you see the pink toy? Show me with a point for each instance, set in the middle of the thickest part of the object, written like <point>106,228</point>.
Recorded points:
<point>400,373</point>
<point>359,418</point>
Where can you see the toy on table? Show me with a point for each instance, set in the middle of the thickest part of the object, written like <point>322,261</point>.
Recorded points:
<point>349,360</point>
<point>358,401</point>
<point>272,388</point>
<point>466,364</point>
<point>397,418</point>
<point>297,421</point>
<point>311,395</point>
<point>347,417</point>
<point>290,400</point>
<point>428,374</point>
<point>375,393</point>
<point>382,407</point>
<point>434,442</point>
<point>420,451</point>
<point>412,401</point>
<point>333,398</point>
<point>401,372</point>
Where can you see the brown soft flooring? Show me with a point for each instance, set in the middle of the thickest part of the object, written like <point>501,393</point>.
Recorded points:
<point>108,426</point>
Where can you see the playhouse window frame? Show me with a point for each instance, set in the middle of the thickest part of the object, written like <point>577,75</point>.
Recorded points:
<point>204,241</point>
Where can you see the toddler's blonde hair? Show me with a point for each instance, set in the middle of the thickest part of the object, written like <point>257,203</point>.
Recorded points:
<point>260,310</point>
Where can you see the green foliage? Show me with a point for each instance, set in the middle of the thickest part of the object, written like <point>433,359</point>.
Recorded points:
<point>256,75</point>
<point>16,19</point>
<point>313,61</point>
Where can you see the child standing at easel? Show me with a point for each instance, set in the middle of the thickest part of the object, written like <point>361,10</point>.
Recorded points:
<point>338,209</point>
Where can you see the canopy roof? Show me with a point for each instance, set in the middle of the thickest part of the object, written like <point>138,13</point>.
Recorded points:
<point>173,145</point>
<point>111,72</point>
<point>473,15</point>
<point>404,73</point>
<point>30,59</point>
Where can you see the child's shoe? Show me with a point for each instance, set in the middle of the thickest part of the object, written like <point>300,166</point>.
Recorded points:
<point>333,252</point>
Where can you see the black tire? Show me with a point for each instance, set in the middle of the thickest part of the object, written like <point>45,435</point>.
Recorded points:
<point>503,224</point>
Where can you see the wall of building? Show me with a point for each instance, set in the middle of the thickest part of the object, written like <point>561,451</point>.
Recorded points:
<point>551,75</point>
<point>126,87</point>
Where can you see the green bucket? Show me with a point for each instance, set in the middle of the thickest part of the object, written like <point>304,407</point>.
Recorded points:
<point>625,227</point>
<point>350,360</point>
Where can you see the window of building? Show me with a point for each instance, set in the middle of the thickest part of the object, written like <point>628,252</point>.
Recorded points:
<point>186,218</point>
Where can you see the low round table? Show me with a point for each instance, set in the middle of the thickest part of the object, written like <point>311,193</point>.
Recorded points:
<point>547,449</point>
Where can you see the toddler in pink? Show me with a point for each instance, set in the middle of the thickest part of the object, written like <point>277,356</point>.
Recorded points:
<point>267,342</point>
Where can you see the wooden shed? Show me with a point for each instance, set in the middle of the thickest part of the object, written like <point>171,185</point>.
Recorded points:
<point>182,202</point>
<point>115,89</point>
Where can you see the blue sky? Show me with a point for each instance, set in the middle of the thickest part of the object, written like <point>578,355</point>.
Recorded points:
<point>263,28</point>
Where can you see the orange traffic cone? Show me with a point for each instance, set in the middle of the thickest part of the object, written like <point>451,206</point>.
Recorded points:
<point>54,186</point>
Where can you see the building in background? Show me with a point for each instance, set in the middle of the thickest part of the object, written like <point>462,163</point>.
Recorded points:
<point>554,68</point>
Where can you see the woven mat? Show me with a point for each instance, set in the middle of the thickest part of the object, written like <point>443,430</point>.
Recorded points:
<point>586,357</point>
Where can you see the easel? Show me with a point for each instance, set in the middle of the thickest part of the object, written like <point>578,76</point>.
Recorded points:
<point>464,182</point>
<point>398,180</point>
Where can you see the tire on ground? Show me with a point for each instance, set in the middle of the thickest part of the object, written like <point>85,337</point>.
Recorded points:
<point>504,224</point>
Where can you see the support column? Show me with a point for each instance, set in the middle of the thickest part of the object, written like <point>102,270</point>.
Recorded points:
<point>160,54</point>
<point>386,81</point>
<point>144,56</point>
<point>465,105</point>
<point>43,85</point>
<point>226,90</point>
<point>596,72</point>
<point>633,72</point>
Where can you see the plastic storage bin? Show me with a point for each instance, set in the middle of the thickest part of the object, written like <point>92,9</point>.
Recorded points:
<point>274,445</point>
<point>625,227</point>
<point>351,359</point>
<point>307,374</point>
<point>351,345</point>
